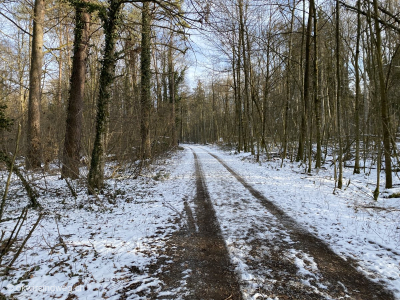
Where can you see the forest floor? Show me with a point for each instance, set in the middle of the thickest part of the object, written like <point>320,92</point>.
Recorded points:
<point>204,223</point>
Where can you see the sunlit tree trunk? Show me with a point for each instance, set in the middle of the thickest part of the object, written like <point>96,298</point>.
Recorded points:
<point>73,133</point>
<point>34,155</point>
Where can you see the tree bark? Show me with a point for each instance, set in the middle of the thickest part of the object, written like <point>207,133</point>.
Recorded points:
<point>288,93</point>
<point>145,83</point>
<point>303,122</point>
<point>110,20</point>
<point>171,73</point>
<point>246,62</point>
<point>73,133</point>
<point>317,100</point>
<point>338,97</point>
<point>34,154</point>
<point>358,92</point>
<point>384,101</point>
<point>306,93</point>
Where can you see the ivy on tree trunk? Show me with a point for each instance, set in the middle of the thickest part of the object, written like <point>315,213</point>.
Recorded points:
<point>110,19</point>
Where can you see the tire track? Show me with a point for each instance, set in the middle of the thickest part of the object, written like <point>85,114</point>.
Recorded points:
<point>196,262</point>
<point>212,274</point>
<point>334,269</point>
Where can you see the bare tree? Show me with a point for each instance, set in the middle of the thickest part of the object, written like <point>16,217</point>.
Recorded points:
<point>358,91</point>
<point>34,155</point>
<point>73,133</point>
<point>110,19</point>
<point>384,101</point>
<point>145,99</point>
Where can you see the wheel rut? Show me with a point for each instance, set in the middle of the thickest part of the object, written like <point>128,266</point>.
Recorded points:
<point>196,257</point>
<point>213,276</point>
<point>339,277</point>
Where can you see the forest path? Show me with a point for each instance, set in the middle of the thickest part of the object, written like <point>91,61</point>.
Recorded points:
<point>201,259</point>
<point>212,276</point>
<point>338,275</point>
<point>234,222</point>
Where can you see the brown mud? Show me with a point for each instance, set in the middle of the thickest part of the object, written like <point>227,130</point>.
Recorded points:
<point>200,260</point>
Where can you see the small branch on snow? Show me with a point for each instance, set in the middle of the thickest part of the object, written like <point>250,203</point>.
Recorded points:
<point>60,238</point>
<point>24,242</point>
<point>168,205</point>
<point>381,208</point>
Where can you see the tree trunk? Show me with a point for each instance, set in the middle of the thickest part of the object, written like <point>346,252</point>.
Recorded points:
<point>246,63</point>
<point>288,94</point>
<point>338,96</point>
<point>171,73</point>
<point>384,101</point>
<point>265,99</point>
<point>145,83</point>
<point>358,92</point>
<point>317,100</point>
<point>34,155</point>
<point>96,173</point>
<point>73,133</point>
<point>303,124</point>
<point>306,93</point>
<point>237,101</point>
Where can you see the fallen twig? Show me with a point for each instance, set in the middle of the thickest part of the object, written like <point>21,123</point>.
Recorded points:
<point>32,194</point>
<point>60,238</point>
<point>24,242</point>
<point>73,192</point>
<point>13,236</point>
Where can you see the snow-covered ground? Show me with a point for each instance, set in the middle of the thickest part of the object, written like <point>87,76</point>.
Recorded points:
<point>113,242</point>
<point>349,220</point>
<point>109,246</point>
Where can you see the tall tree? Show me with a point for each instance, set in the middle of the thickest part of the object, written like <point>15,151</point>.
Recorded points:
<point>246,70</point>
<point>306,88</point>
<point>338,97</point>
<point>317,99</point>
<point>110,18</point>
<point>288,82</point>
<point>358,91</point>
<point>145,94</point>
<point>34,154</point>
<point>172,90</point>
<point>385,119</point>
<point>73,133</point>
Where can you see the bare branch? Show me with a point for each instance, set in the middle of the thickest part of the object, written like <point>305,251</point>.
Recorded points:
<point>379,19</point>
<point>15,23</point>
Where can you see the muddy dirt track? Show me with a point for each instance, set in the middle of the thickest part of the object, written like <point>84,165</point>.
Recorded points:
<point>200,248</point>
